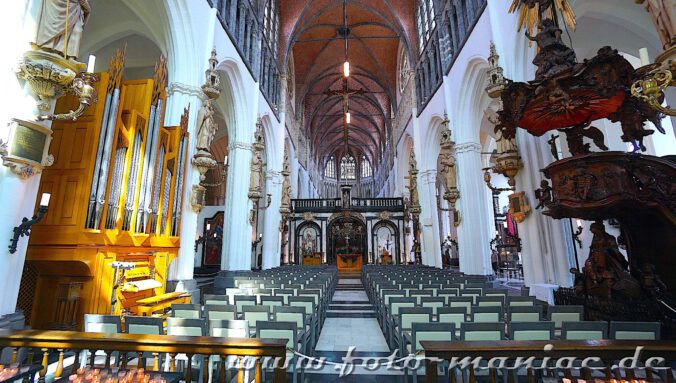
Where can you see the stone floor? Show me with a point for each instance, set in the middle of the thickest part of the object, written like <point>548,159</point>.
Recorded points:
<point>351,322</point>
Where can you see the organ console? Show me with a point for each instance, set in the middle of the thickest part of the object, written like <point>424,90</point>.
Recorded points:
<point>116,184</point>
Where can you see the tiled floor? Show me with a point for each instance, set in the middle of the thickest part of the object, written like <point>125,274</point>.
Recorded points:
<point>339,334</point>
<point>351,322</point>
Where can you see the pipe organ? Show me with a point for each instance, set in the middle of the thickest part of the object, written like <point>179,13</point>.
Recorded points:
<point>117,187</point>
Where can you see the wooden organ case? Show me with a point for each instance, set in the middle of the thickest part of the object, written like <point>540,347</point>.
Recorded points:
<point>117,186</point>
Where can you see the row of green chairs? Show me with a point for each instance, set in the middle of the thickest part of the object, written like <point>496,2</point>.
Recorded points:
<point>416,327</point>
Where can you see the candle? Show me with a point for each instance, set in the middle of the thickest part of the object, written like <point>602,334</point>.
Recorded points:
<point>91,63</point>
<point>643,54</point>
<point>44,201</point>
<point>208,226</point>
<point>579,223</point>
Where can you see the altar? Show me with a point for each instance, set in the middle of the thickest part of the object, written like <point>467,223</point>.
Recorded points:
<point>347,232</point>
<point>348,263</point>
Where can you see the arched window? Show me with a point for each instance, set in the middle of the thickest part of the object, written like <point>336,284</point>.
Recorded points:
<point>366,170</point>
<point>330,170</point>
<point>271,25</point>
<point>426,22</point>
<point>348,167</point>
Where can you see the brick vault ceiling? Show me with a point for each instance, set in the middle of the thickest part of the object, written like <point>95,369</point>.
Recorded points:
<point>309,32</point>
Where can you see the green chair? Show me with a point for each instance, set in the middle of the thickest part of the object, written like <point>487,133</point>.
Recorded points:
<point>283,330</point>
<point>211,299</point>
<point>634,330</point>
<point>220,312</point>
<point>186,311</point>
<point>467,302</point>
<point>514,301</point>
<point>272,300</point>
<point>244,300</point>
<point>492,301</point>
<point>110,324</point>
<point>560,314</point>
<point>407,317</point>
<point>487,314</point>
<point>303,325</point>
<point>424,332</point>
<point>592,330</point>
<point>482,331</point>
<point>524,313</point>
<point>255,314</point>
<point>434,303</point>
<point>530,330</point>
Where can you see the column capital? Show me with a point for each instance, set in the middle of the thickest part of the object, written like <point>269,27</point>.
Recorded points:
<point>467,147</point>
<point>186,89</point>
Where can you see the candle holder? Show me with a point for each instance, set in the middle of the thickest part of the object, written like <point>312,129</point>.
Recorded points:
<point>50,76</point>
<point>24,229</point>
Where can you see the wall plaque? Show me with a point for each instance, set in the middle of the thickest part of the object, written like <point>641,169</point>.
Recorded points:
<point>26,151</point>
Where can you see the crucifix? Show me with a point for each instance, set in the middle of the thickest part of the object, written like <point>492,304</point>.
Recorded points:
<point>388,243</point>
<point>345,93</point>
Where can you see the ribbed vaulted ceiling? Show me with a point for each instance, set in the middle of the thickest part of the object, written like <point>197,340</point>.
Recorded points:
<point>310,31</point>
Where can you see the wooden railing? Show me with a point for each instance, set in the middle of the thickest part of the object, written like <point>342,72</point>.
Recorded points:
<point>605,351</point>
<point>41,343</point>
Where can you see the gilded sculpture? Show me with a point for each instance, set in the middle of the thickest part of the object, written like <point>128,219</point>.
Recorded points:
<point>448,170</point>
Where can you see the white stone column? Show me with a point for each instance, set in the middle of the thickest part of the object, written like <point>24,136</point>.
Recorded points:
<point>179,97</point>
<point>18,198</point>
<point>17,195</point>
<point>237,229</point>
<point>474,232</point>
<point>429,222</point>
<point>546,254</point>
<point>271,233</point>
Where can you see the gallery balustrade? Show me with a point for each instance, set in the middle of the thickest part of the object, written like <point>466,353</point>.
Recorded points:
<point>43,346</point>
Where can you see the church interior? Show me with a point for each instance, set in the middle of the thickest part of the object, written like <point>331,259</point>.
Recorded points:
<point>338,190</point>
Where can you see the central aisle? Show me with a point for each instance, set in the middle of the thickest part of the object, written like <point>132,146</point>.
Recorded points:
<point>351,322</point>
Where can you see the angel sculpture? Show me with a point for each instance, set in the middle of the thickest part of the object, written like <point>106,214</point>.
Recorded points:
<point>532,12</point>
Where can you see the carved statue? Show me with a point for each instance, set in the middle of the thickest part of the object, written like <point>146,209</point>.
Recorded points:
<point>60,26</point>
<point>553,56</point>
<point>412,163</point>
<point>286,193</point>
<point>605,270</point>
<point>285,169</point>
<point>552,146</point>
<point>448,170</point>
<point>504,144</point>
<point>207,126</point>
<point>663,13</point>
<point>256,172</point>
<point>543,194</point>
<point>413,190</point>
<point>575,135</point>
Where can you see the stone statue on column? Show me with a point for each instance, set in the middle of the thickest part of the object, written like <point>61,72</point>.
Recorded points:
<point>203,160</point>
<point>207,127</point>
<point>508,161</point>
<point>60,26</point>
<point>256,173</point>
<point>448,169</point>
